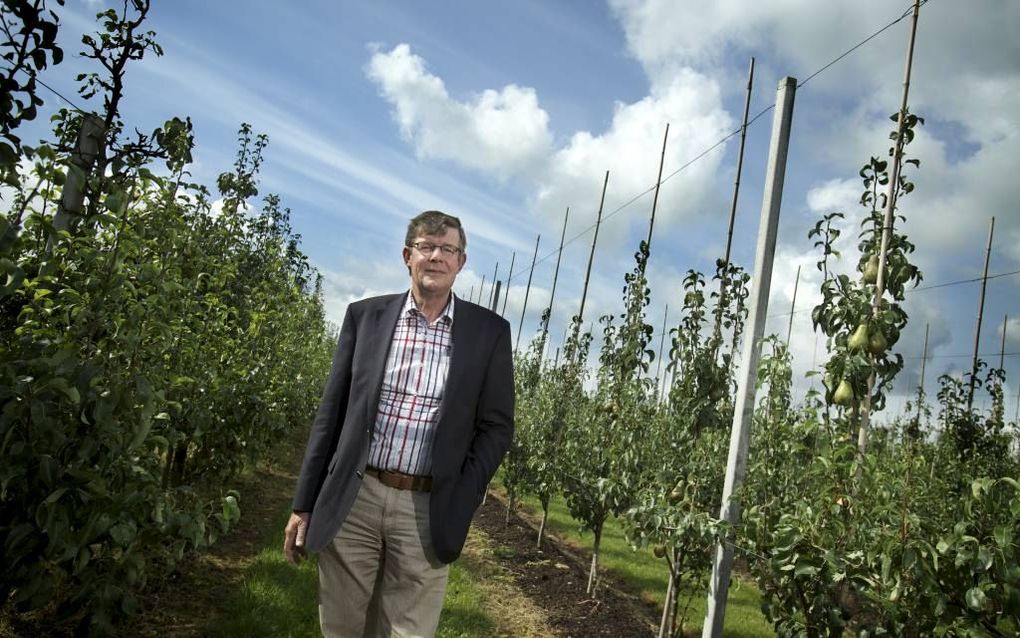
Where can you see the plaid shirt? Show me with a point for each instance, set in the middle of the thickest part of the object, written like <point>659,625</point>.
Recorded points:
<point>417,365</point>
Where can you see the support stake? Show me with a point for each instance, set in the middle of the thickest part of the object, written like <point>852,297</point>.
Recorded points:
<point>740,434</point>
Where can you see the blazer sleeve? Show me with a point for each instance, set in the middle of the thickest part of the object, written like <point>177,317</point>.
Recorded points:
<point>494,425</point>
<point>329,419</point>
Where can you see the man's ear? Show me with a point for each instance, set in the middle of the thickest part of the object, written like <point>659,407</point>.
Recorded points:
<point>407,256</point>
<point>463,260</point>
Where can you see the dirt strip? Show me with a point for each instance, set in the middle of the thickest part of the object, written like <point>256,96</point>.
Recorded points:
<point>555,578</point>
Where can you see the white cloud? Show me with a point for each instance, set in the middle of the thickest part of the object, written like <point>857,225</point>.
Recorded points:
<point>504,132</point>
<point>358,279</point>
<point>630,150</point>
<point>970,94</point>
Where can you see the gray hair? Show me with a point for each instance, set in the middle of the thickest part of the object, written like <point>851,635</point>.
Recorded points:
<point>434,222</point>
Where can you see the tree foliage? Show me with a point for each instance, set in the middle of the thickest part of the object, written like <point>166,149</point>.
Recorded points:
<point>147,353</point>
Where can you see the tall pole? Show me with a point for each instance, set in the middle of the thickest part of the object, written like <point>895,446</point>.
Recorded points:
<point>887,227</point>
<point>662,340</point>
<point>481,292</point>
<point>556,276</point>
<point>736,191</point>
<point>87,148</point>
<point>527,291</point>
<point>793,308</point>
<point>509,278</point>
<point>740,434</point>
<point>1002,348</point>
<point>495,296</point>
<point>924,363</point>
<point>658,184</point>
<point>492,290</point>
<point>981,314</point>
<point>471,295</point>
<point>591,255</point>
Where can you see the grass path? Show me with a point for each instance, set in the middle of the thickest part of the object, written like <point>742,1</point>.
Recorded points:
<point>243,586</point>
<point>278,599</point>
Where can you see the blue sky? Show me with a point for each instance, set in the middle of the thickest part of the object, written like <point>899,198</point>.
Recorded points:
<point>506,113</point>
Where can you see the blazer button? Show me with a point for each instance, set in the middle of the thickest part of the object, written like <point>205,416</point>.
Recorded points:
<point>360,474</point>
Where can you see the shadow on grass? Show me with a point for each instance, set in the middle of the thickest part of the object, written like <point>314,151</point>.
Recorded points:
<point>275,599</point>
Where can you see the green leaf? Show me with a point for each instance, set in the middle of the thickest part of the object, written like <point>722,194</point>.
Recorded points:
<point>55,496</point>
<point>976,598</point>
<point>231,510</point>
<point>123,533</point>
<point>1003,536</point>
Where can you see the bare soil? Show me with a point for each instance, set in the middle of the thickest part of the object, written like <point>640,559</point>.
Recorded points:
<point>555,578</point>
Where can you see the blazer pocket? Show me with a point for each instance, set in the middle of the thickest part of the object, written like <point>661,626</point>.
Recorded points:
<point>332,464</point>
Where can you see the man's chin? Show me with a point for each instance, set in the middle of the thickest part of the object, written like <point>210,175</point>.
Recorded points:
<point>433,286</point>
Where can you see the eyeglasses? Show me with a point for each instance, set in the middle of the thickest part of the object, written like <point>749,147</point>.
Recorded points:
<point>427,248</point>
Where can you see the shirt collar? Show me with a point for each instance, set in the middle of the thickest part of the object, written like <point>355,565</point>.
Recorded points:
<point>411,306</point>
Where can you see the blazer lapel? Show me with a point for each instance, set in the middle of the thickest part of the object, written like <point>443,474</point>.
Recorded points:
<point>462,338</point>
<point>383,324</point>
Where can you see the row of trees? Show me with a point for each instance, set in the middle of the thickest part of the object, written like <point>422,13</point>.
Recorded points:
<point>914,534</point>
<point>153,341</point>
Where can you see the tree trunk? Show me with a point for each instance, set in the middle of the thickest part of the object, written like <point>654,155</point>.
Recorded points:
<point>179,460</point>
<point>665,625</point>
<point>509,507</point>
<point>167,466</point>
<point>593,574</point>
<point>541,527</point>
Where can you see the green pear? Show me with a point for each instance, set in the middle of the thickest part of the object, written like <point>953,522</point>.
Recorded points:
<point>871,270</point>
<point>859,339</point>
<point>844,394</point>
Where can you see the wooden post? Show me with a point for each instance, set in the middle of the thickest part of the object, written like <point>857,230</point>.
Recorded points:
<point>1002,348</point>
<point>509,278</point>
<point>492,291</point>
<point>495,296</point>
<point>527,291</point>
<point>655,198</point>
<point>887,227</point>
<point>556,276</point>
<point>591,255</point>
<point>981,313</point>
<point>740,434</point>
<point>924,362</point>
<point>662,340</point>
<point>86,149</point>
<point>793,309</point>
<point>736,193</point>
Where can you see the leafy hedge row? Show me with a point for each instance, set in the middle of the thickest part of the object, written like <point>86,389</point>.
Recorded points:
<point>147,354</point>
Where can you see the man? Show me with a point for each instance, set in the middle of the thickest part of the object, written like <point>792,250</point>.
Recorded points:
<point>416,415</point>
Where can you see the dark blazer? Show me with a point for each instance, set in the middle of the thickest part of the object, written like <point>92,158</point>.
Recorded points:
<point>476,421</point>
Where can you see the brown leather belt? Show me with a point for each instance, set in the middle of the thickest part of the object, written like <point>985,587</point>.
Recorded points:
<point>400,480</point>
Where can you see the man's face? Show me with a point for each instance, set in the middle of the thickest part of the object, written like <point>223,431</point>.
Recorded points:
<point>434,272</point>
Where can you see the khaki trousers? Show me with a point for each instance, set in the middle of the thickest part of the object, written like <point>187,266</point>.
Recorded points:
<point>379,576</point>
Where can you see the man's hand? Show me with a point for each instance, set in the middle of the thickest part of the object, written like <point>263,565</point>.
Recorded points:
<point>294,537</point>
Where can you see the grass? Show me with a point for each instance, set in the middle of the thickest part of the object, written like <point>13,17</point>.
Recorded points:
<point>277,599</point>
<point>643,571</point>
